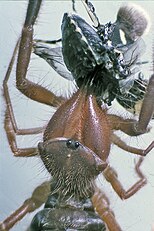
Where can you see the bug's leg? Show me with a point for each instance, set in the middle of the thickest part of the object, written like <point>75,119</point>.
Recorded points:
<point>121,144</point>
<point>102,206</point>
<point>56,41</point>
<point>111,176</point>
<point>10,122</point>
<point>38,198</point>
<point>91,12</point>
<point>28,88</point>
<point>133,127</point>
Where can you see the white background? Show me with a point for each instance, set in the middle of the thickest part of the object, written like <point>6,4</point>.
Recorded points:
<point>20,176</point>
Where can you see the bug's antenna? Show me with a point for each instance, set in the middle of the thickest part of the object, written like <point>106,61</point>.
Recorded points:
<point>91,12</point>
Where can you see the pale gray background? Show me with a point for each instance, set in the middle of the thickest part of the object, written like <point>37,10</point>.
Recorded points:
<point>19,176</point>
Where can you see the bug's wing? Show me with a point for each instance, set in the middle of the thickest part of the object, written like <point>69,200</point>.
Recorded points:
<point>54,58</point>
<point>133,51</point>
<point>132,88</point>
<point>132,54</point>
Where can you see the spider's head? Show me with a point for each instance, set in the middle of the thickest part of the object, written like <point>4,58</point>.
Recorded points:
<point>73,166</point>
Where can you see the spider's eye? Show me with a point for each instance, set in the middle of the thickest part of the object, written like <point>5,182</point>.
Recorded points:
<point>72,144</point>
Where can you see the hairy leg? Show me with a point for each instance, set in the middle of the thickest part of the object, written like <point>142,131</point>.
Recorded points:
<point>39,196</point>
<point>111,176</point>
<point>102,207</point>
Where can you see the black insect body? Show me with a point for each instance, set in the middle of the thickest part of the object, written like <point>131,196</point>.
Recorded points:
<point>102,62</point>
<point>94,65</point>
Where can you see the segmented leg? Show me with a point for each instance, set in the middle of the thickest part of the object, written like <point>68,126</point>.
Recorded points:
<point>39,196</point>
<point>28,88</point>
<point>101,205</point>
<point>147,109</point>
<point>121,144</point>
<point>31,90</point>
<point>11,135</point>
<point>111,176</point>
<point>10,122</point>
<point>133,127</point>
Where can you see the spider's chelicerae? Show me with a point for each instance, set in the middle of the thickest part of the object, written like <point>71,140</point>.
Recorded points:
<point>82,137</point>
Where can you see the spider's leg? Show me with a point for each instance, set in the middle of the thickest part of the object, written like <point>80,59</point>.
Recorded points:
<point>121,144</point>
<point>28,88</point>
<point>38,198</point>
<point>102,206</point>
<point>11,127</point>
<point>133,127</point>
<point>12,130</point>
<point>111,176</point>
<point>147,109</point>
<point>127,126</point>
